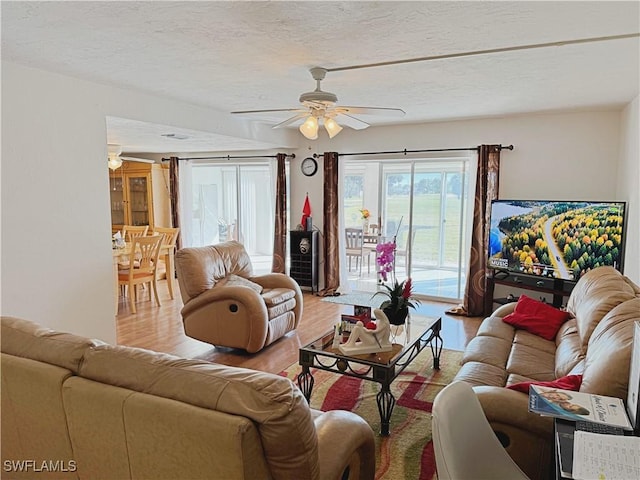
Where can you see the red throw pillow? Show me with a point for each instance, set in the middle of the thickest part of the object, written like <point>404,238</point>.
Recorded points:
<point>537,317</point>
<point>569,382</point>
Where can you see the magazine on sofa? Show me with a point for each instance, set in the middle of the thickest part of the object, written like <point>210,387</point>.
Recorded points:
<point>576,406</point>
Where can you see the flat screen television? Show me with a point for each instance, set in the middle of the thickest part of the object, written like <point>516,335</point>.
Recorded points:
<point>557,239</point>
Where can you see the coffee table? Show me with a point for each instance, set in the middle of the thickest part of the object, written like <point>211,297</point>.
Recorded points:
<point>382,367</point>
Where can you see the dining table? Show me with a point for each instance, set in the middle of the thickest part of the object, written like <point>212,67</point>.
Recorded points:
<point>125,251</point>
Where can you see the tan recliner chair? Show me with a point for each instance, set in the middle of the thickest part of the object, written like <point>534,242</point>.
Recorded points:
<point>225,305</point>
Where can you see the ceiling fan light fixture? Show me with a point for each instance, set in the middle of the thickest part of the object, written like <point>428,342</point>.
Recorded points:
<point>114,161</point>
<point>332,127</point>
<point>310,128</point>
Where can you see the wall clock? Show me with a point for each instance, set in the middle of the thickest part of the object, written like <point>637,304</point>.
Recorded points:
<point>309,166</point>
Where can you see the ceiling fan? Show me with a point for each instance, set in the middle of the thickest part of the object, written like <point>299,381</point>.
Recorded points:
<point>115,158</point>
<point>320,107</point>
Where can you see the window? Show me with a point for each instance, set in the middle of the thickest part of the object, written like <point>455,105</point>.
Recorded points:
<point>353,197</point>
<point>423,203</point>
<point>233,202</point>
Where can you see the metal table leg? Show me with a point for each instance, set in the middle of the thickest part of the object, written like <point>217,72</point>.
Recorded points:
<point>305,382</point>
<point>386,401</point>
<point>435,342</point>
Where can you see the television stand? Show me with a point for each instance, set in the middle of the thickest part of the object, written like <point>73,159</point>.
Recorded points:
<point>557,287</point>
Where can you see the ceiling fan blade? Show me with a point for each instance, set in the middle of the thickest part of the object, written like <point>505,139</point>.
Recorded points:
<point>317,104</point>
<point>245,112</point>
<point>352,122</point>
<point>389,112</point>
<point>135,159</point>
<point>291,120</point>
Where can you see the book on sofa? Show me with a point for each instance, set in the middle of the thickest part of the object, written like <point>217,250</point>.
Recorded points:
<point>578,406</point>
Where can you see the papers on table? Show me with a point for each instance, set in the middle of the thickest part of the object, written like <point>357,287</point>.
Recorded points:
<point>605,457</point>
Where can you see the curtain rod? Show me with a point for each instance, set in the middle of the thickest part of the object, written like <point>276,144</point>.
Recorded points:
<point>405,151</point>
<point>232,157</point>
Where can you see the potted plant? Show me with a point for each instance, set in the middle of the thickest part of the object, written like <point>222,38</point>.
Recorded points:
<point>399,294</point>
<point>399,301</point>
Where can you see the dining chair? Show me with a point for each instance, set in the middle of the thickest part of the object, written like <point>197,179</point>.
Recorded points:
<point>129,232</point>
<point>145,251</point>
<point>167,253</point>
<point>355,247</point>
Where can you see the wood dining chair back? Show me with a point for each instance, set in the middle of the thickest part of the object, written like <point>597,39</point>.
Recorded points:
<point>145,251</point>
<point>129,232</point>
<point>167,253</point>
<point>354,239</point>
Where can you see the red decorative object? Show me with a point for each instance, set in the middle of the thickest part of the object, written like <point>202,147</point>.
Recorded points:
<point>569,382</point>
<point>306,212</point>
<point>537,317</point>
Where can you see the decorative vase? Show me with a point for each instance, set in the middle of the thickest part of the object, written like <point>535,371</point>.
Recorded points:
<point>395,333</point>
<point>396,317</point>
<point>365,226</point>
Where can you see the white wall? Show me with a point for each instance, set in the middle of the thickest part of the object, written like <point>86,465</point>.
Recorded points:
<point>628,185</point>
<point>556,156</point>
<point>56,247</point>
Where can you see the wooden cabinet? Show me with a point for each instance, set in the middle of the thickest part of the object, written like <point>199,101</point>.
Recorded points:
<point>140,195</point>
<point>304,258</point>
<point>558,288</point>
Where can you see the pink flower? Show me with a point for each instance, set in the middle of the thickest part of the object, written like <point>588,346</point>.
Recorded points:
<point>385,258</point>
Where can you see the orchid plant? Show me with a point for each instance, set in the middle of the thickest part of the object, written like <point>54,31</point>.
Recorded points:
<point>399,293</point>
<point>385,259</point>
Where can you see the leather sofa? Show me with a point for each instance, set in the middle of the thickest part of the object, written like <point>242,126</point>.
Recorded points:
<point>77,408</point>
<point>226,305</point>
<point>596,343</point>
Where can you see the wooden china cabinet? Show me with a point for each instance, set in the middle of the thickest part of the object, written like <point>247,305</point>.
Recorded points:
<point>139,195</point>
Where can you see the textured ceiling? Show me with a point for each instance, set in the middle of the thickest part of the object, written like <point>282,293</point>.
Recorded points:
<point>256,55</point>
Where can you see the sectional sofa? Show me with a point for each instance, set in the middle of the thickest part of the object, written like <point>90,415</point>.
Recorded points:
<point>77,408</point>
<point>595,343</point>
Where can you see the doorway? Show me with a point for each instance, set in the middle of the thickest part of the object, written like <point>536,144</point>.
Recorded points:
<point>423,204</point>
<point>233,201</point>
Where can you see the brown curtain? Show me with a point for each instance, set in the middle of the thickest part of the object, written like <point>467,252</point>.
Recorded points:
<point>280,227</point>
<point>331,238</point>
<point>487,179</point>
<point>174,192</point>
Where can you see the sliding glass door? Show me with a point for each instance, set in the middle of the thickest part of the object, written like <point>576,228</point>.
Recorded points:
<point>423,205</point>
<point>234,202</point>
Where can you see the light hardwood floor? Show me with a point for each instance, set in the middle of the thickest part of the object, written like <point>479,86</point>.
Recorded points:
<point>160,329</point>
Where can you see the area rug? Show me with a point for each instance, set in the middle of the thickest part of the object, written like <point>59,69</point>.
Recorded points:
<point>407,453</point>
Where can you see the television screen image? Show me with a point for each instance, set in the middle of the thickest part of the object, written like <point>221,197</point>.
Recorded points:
<point>556,239</point>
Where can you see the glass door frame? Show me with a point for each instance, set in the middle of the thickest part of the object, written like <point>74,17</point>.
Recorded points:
<point>226,196</point>
<point>464,163</point>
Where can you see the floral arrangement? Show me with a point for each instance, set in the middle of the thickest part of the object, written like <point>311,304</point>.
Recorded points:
<point>399,296</point>
<point>385,259</point>
<point>365,213</point>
